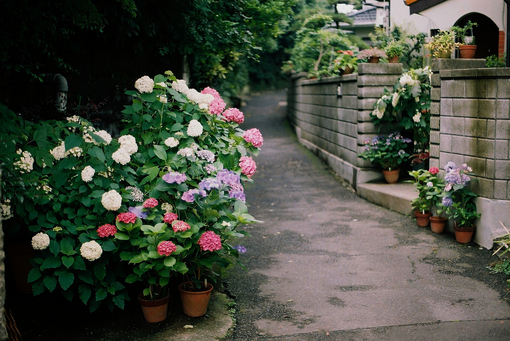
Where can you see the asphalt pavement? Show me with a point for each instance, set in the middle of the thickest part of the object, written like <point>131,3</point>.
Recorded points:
<point>328,265</point>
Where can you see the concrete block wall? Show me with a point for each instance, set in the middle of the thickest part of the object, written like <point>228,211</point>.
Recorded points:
<point>471,124</point>
<point>331,116</point>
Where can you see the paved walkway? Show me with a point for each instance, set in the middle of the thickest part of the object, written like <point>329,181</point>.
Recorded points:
<point>328,265</point>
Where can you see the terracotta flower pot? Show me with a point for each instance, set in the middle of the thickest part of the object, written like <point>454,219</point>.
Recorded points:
<point>154,310</point>
<point>467,51</point>
<point>437,224</point>
<point>373,60</point>
<point>194,303</point>
<point>393,59</point>
<point>347,71</point>
<point>391,176</point>
<point>463,234</point>
<point>422,219</point>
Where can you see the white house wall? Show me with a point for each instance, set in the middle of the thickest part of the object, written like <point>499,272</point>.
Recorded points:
<point>444,15</point>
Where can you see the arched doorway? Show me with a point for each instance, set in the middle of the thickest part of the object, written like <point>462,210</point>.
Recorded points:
<point>486,34</point>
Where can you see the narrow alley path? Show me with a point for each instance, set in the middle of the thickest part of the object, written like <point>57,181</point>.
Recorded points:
<point>327,265</point>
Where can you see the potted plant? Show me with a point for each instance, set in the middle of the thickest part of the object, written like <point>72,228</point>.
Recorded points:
<point>419,160</point>
<point>467,49</point>
<point>394,49</point>
<point>442,44</point>
<point>345,63</point>
<point>388,152</point>
<point>435,194</point>
<point>424,181</point>
<point>459,201</point>
<point>372,55</point>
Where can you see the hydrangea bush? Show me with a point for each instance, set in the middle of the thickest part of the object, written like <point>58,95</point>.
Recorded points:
<point>166,197</point>
<point>388,152</point>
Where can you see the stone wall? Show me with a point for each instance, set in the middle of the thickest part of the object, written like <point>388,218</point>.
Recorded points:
<point>331,116</point>
<point>471,124</point>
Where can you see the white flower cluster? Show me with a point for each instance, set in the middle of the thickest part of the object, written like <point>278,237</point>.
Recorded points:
<point>395,99</point>
<point>102,134</point>
<point>26,163</point>
<point>76,151</point>
<point>40,241</point>
<point>417,116</point>
<point>74,118</point>
<point>195,128</point>
<point>180,85</point>
<point>172,142</point>
<point>121,156</point>
<point>87,173</point>
<point>167,207</point>
<point>203,100</point>
<point>111,200</point>
<point>162,98</point>
<point>128,143</point>
<point>407,79</point>
<point>47,189</point>
<point>91,250</point>
<point>59,151</point>
<point>186,152</point>
<point>144,84</point>
<point>5,210</point>
<point>135,193</point>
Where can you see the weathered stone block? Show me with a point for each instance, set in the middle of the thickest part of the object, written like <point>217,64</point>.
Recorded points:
<point>502,169</point>
<point>379,80</point>
<point>503,130</point>
<point>485,188</point>
<point>465,107</point>
<point>434,123</point>
<point>503,109</point>
<point>366,103</point>
<point>491,129</point>
<point>446,107</point>
<point>380,68</point>
<point>435,94</point>
<point>503,88</point>
<point>446,143</point>
<point>475,127</point>
<point>501,151</point>
<point>452,88</point>
<point>489,169</point>
<point>371,91</point>
<point>350,102</point>
<point>434,137</point>
<point>485,148</point>
<point>492,88</point>
<point>477,164</point>
<point>464,145</point>
<point>348,115</point>
<point>434,150</point>
<point>476,88</point>
<point>500,189</point>
<point>486,108</point>
<point>451,125</point>
<point>444,158</point>
<point>435,109</point>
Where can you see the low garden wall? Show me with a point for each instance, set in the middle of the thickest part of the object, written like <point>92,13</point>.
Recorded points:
<point>470,123</point>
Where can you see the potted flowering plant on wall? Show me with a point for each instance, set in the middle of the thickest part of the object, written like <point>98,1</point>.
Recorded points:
<point>442,44</point>
<point>371,55</point>
<point>388,152</point>
<point>459,200</point>
<point>345,63</point>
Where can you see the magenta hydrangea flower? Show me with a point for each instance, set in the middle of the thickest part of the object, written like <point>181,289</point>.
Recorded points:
<point>180,226</point>
<point>166,248</point>
<point>254,137</point>
<point>127,217</point>
<point>150,203</point>
<point>170,217</point>
<point>248,166</point>
<point>233,114</point>
<point>106,230</point>
<point>209,241</point>
<point>210,91</point>
<point>217,106</point>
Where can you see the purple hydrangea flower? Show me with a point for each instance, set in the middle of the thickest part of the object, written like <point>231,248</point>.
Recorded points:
<point>189,196</point>
<point>401,152</point>
<point>240,248</point>
<point>174,177</point>
<point>206,155</point>
<point>447,201</point>
<point>138,211</point>
<point>228,177</point>
<point>236,194</point>
<point>209,183</point>
<point>449,166</point>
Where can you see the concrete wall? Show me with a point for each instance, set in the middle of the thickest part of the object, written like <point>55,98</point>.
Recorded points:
<point>331,116</point>
<point>471,124</point>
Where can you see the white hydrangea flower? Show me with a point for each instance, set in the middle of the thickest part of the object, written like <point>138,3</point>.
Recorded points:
<point>5,210</point>
<point>180,85</point>
<point>59,151</point>
<point>167,207</point>
<point>204,106</point>
<point>406,79</point>
<point>195,128</point>
<point>47,189</point>
<point>87,173</point>
<point>121,156</point>
<point>378,113</point>
<point>172,142</point>
<point>162,99</point>
<point>161,84</point>
<point>416,118</point>
<point>144,84</point>
<point>76,151</point>
<point>40,241</point>
<point>111,200</point>
<point>128,143</point>
<point>26,162</point>
<point>74,118</point>
<point>186,152</point>
<point>396,97</point>
<point>91,250</point>
<point>104,135</point>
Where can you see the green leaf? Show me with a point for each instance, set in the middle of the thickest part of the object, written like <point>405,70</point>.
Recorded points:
<point>50,282</point>
<point>73,141</point>
<point>101,294</point>
<point>160,152</point>
<point>84,293</point>
<point>66,279</point>
<point>119,301</point>
<point>33,275</point>
<point>86,277</point>
<point>99,271</point>
<point>67,261</point>
<point>66,247</point>
<point>108,246</point>
<point>169,261</point>
<point>97,153</point>
<point>121,236</point>
<point>51,262</point>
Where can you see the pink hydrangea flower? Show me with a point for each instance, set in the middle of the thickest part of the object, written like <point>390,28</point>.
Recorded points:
<point>169,217</point>
<point>434,170</point>
<point>209,241</point>
<point>106,230</point>
<point>166,248</point>
<point>248,166</point>
<point>180,226</point>
<point>234,114</point>
<point>217,106</point>
<point>210,91</point>
<point>254,137</point>
<point>150,203</point>
<point>127,217</point>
